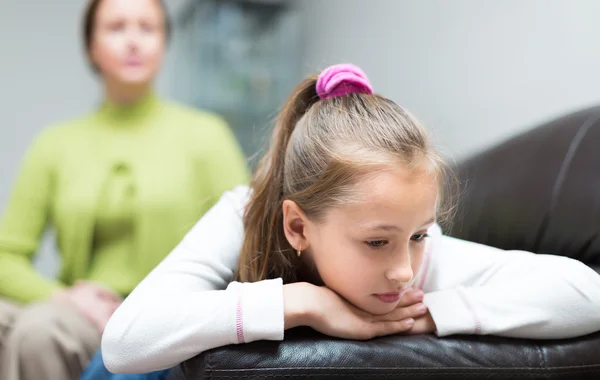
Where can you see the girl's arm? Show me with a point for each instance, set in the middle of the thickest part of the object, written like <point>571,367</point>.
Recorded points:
<point>475,289</point>
<point>187,305</point>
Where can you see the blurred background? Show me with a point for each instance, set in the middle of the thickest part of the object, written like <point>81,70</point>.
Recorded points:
<point>475,72</point>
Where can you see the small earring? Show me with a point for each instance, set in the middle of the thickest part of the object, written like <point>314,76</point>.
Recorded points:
<point>299,252</point>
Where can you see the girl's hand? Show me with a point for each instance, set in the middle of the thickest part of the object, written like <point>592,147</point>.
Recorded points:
<point>325,311</point>
<point>423,325</point>
<point>411,302</point>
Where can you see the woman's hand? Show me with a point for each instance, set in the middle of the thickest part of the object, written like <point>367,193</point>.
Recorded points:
<point>95,302</point>
<point>325,311</point>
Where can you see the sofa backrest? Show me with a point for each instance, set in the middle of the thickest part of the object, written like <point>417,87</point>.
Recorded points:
<point>538,191</point>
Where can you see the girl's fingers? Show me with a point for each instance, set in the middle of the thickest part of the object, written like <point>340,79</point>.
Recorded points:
<point>412,311</point>
<point>410,297</point>
<point>392,327</point>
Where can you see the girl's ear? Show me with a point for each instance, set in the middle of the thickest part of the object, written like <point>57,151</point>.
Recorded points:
<point>294,225</point>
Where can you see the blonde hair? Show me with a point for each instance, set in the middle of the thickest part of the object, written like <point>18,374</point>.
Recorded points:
<point>319,150</point>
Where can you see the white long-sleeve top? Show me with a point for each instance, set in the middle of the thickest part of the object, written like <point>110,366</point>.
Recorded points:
<point>189,304</point>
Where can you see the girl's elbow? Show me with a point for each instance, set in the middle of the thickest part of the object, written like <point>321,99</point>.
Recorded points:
<point>117,354</point>
<point>112,354</point>
<point>583,279</point>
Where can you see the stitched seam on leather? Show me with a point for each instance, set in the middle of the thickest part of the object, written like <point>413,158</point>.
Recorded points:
<point>537,373</point>
<point>476,320</point>
<point>562,174</point>
<point>590,367</point>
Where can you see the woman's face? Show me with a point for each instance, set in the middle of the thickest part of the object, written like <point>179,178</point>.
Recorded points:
<point>371,250</point>
<point>128,42</point>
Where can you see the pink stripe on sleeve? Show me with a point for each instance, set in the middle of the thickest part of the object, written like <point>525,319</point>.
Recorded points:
<point>239,321</point>
<point>476,319</point>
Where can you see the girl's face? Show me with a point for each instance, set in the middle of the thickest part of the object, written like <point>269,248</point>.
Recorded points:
<point>370,251</point>
<point>129,40</point>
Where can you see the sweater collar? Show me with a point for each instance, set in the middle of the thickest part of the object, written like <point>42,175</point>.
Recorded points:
<point>132,113</point>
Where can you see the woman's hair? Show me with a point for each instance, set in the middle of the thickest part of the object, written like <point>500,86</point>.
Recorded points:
<point>327,136</point>
<point>89,23</point>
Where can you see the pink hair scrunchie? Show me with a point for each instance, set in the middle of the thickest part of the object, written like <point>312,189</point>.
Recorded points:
<point>342,79</point>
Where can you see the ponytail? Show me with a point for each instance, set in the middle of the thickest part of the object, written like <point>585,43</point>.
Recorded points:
<point>266,252</point>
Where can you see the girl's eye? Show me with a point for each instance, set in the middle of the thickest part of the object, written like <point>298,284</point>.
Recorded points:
<point>419,237</point>
<point>376,243</point>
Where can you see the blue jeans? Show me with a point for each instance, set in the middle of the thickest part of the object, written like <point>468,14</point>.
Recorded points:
<point>97,371</point>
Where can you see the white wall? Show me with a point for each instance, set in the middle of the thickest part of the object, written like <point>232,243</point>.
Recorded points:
<point>44,78</point>
<point>474,71</point>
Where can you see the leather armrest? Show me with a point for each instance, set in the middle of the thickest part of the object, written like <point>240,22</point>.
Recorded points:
<point>306,354</point>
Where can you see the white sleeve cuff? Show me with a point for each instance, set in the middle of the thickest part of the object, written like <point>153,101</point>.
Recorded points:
<point>452,312</point>
<point>259,312</point>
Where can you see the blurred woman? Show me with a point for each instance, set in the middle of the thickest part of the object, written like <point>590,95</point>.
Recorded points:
<point>120,186</point>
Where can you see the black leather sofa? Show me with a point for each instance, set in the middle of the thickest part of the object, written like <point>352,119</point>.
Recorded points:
<point>539,191</point>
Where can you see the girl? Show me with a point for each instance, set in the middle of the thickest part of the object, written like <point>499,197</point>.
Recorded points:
<point>339,232</point>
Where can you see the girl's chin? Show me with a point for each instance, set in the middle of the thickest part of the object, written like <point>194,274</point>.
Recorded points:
<point>375,306</point>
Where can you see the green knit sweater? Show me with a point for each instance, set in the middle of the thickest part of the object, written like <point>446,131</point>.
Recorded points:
<point>120,187</point>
